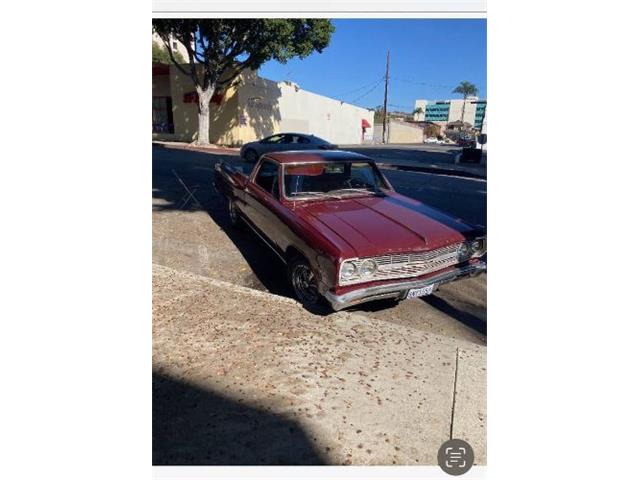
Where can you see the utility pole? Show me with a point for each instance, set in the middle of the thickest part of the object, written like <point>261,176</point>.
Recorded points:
<point>384,107</point>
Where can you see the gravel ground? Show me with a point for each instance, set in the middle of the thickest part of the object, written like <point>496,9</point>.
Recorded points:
<point>248,378</point>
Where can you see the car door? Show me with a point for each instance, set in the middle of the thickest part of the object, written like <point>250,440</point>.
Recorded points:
<point>263,204</point>
<point>269,144</point>
<point>287,143</point>
<point>302,143</point>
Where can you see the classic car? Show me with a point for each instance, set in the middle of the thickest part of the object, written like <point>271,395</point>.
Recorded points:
<point>341,230</point>
<point>283,141</point>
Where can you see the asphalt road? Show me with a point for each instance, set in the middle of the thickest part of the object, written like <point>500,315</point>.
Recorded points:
<point>191,232</point>
<point>391,152</point>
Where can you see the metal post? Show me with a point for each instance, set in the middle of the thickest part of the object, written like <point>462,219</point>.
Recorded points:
<point>384,107</point>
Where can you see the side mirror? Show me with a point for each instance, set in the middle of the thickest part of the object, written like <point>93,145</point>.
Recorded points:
<point>482,139</point>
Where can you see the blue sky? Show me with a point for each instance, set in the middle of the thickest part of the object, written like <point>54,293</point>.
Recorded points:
<point>428,58</point>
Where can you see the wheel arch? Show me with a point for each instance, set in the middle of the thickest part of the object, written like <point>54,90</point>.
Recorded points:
<point>292,253</point>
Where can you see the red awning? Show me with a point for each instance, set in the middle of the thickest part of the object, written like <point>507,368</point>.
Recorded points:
<point>365,124</point>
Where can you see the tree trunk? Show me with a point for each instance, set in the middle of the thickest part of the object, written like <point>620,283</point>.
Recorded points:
<point>204,97</point>
<point>464,102</point>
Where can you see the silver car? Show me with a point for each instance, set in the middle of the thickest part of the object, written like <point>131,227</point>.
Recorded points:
<point>280,142</point>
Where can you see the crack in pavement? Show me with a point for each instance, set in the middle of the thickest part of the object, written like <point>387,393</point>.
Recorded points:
<point>455,387</point>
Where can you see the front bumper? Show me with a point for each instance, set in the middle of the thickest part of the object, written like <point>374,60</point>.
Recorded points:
<point>399,290</point>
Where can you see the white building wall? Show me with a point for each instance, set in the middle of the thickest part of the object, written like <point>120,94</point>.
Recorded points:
<point>455,110</point>
<point>307,112</point>
<point>269,107</point>
<point>419,117</point>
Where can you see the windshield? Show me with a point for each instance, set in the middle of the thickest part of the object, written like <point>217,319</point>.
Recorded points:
<point>332,179</point>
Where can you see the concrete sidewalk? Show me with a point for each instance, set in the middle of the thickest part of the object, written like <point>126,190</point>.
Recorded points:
<point>215,149</point>
<point>247,377</point>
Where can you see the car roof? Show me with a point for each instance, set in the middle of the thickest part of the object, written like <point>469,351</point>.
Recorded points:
<point>292,133</point>
<point>296,134</point>
<point>308,156</point>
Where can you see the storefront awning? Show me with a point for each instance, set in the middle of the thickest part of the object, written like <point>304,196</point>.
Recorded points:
<point>365,124</point>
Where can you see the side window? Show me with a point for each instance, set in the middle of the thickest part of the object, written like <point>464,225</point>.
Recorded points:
<point>273,139</point>
<point>275,189</point>
<point>303,140</point>
<point>267,178</point>
<point>363,175</point>
<point>287,139</point>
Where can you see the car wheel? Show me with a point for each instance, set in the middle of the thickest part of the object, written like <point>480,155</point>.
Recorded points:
<point>234,215</point>
<point>251,155</point>
<point>303,281</point>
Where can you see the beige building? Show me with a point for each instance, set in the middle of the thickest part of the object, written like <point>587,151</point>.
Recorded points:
<point>176,46</point>
<point>253,109</point>
<point>399,132</point>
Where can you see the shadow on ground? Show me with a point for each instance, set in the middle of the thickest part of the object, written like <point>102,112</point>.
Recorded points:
<point>389,154</point>
<point>462,316</point>
<point>195,170</point>
<point>192,426</point>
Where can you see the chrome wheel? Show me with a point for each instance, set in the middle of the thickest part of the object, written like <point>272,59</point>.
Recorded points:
<point>304,282</point>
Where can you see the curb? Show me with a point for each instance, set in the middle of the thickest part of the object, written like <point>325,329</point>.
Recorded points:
<point>186,146</point>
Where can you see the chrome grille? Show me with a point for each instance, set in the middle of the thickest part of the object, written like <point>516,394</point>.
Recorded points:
<point>407,265</point>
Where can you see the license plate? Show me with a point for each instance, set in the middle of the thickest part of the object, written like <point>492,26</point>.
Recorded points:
<point>421,292</point>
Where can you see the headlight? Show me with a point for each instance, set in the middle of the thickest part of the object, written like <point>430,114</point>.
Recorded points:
<point>348,270</point>
<point>368,268</point>
<point>478,247</point>
<point>464,251</point>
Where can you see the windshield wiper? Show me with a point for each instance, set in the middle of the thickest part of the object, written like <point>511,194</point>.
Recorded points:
<point>353,190</point>
<point>317,194</point>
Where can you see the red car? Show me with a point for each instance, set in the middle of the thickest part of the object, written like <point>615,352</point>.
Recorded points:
<point>342,231</point>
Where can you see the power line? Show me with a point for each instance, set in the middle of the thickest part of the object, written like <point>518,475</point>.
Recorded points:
<point>431,85</point>
<point>359,88</point>
<point>424,84</point>
<point>368,91</point>
<point>400,106</point>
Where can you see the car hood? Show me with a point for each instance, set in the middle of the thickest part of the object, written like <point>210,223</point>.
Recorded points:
<point>378,225</point>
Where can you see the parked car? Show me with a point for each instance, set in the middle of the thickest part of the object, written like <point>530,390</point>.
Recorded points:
<point>279,142</point>
<point>342,231</point>
<point>466,141</point>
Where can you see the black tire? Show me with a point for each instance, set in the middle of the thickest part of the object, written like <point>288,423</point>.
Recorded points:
<point>251,155</point>
<point>303,282</point>
<point>234,215</point>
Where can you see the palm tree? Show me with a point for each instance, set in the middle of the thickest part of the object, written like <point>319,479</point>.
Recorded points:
<point>465,89</point>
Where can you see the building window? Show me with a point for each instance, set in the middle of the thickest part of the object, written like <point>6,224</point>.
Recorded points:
<point>162,115</point>
<point>175,46</point>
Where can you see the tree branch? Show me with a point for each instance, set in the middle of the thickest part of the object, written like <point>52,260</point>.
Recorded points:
<point>173,58</point>
<point>186,40</point>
